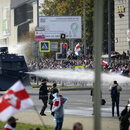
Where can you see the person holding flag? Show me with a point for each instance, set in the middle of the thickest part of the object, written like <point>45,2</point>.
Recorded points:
<point>14,100</point>
<point>58,109</point>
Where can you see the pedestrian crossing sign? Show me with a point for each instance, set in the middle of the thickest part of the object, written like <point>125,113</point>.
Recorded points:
<point>44,46</point>
<point>79,68</point>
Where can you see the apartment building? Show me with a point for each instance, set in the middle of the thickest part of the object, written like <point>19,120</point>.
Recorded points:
<point>16,18</point>
<point>122,26</point>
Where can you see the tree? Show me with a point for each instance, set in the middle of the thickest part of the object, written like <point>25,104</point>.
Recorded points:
<point>75,8</point>
<point>71,8</point>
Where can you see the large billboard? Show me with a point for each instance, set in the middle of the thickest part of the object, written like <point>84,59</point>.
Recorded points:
<point>56,25</point>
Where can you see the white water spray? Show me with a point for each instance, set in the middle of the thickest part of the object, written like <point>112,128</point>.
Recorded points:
<point>86,76</point>
<point>21,48</point>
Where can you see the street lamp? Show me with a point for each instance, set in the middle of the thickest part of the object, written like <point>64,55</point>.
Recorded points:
<point>84,5</point>
<point>109,32</point>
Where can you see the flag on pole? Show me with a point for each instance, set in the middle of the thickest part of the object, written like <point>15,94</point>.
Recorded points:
<point>14,100</point>
<point>77,50</point>
<point>104,63</point>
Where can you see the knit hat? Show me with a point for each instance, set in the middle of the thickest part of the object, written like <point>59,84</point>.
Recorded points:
<point>12,119</point>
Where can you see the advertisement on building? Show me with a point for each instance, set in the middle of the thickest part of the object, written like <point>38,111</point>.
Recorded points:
<point>6,21</point>
<point>56,25</point>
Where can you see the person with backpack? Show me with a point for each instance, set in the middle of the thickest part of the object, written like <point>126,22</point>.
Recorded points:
<point>115,96</point>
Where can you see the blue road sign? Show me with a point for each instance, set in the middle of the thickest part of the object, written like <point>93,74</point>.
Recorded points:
<point>44,46</point>
<point>79,68</point>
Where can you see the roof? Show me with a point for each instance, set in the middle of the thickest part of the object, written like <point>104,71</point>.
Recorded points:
<point>17,3</point>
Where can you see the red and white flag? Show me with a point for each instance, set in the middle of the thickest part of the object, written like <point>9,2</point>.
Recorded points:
<point>14,100</point>
<point>57,103</point>
<point>77,50</point>
<point>104,63</point>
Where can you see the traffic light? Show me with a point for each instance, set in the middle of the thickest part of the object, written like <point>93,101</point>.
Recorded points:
<point>64,50</point>
<point>62,55</point>
<point>62,36</point>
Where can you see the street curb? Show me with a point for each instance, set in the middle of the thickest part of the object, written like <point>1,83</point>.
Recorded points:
<point>70,89</point>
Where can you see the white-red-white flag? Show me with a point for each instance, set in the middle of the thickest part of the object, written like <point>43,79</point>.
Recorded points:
<point>14,100</point>
<point>104,63</point>
<point>57,103</point>
<point>77,50</point>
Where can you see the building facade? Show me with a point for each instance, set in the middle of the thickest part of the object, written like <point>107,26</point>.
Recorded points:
<point>122,26</point>
<point>16,18</point>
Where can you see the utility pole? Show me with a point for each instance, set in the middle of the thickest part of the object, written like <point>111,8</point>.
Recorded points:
<point>37,13</point>
<point>98,36</point>
<point>109,31</point>
<point>84,5</point>
<point>37,44</point>
<point>129,27</point>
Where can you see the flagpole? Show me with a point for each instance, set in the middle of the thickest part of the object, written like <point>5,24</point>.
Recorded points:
<point>40,117</point>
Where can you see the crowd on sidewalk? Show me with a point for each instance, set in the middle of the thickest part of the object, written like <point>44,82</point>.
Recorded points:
<point>119,67</point>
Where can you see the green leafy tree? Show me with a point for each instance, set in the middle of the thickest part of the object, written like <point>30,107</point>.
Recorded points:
<point>75,8</point>
<point>71,8</point>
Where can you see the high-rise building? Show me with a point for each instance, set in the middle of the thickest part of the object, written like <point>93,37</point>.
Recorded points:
<point>16,18</point>
<point>122,26</point>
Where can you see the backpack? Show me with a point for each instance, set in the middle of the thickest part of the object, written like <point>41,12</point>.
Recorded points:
<point>91,92</point>
<point>103,101</point>
<point>114,92</point>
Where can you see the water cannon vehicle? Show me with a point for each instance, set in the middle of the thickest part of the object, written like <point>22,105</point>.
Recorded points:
<point>12,69</point>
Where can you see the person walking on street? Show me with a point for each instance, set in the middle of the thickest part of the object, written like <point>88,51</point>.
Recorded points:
<point>58,109</point>
<point>115,96</point>
<point>43,95</point>
<point>53,90</point>
<point>11,124</point>
<point>124,118</point>
<point>92,95</point>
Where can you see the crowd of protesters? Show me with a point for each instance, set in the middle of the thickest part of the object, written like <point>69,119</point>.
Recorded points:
<point>119,67</point>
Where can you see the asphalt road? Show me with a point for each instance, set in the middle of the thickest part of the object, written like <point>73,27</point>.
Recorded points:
<point>80,102</point>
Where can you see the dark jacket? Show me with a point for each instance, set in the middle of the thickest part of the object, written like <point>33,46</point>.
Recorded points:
<point>43,92</point>
<point>118,89</point>
<point>53,91</point>
<point>124,119</point>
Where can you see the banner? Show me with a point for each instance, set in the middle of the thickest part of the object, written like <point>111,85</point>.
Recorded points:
<point>14,100</point>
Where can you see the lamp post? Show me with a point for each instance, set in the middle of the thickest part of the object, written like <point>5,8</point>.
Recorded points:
<point>37,79</point>
<point>98,34</point>
<point>84,5</point>
<point>129,27</point>
<point>109,31</point>
<point>37,13</point>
